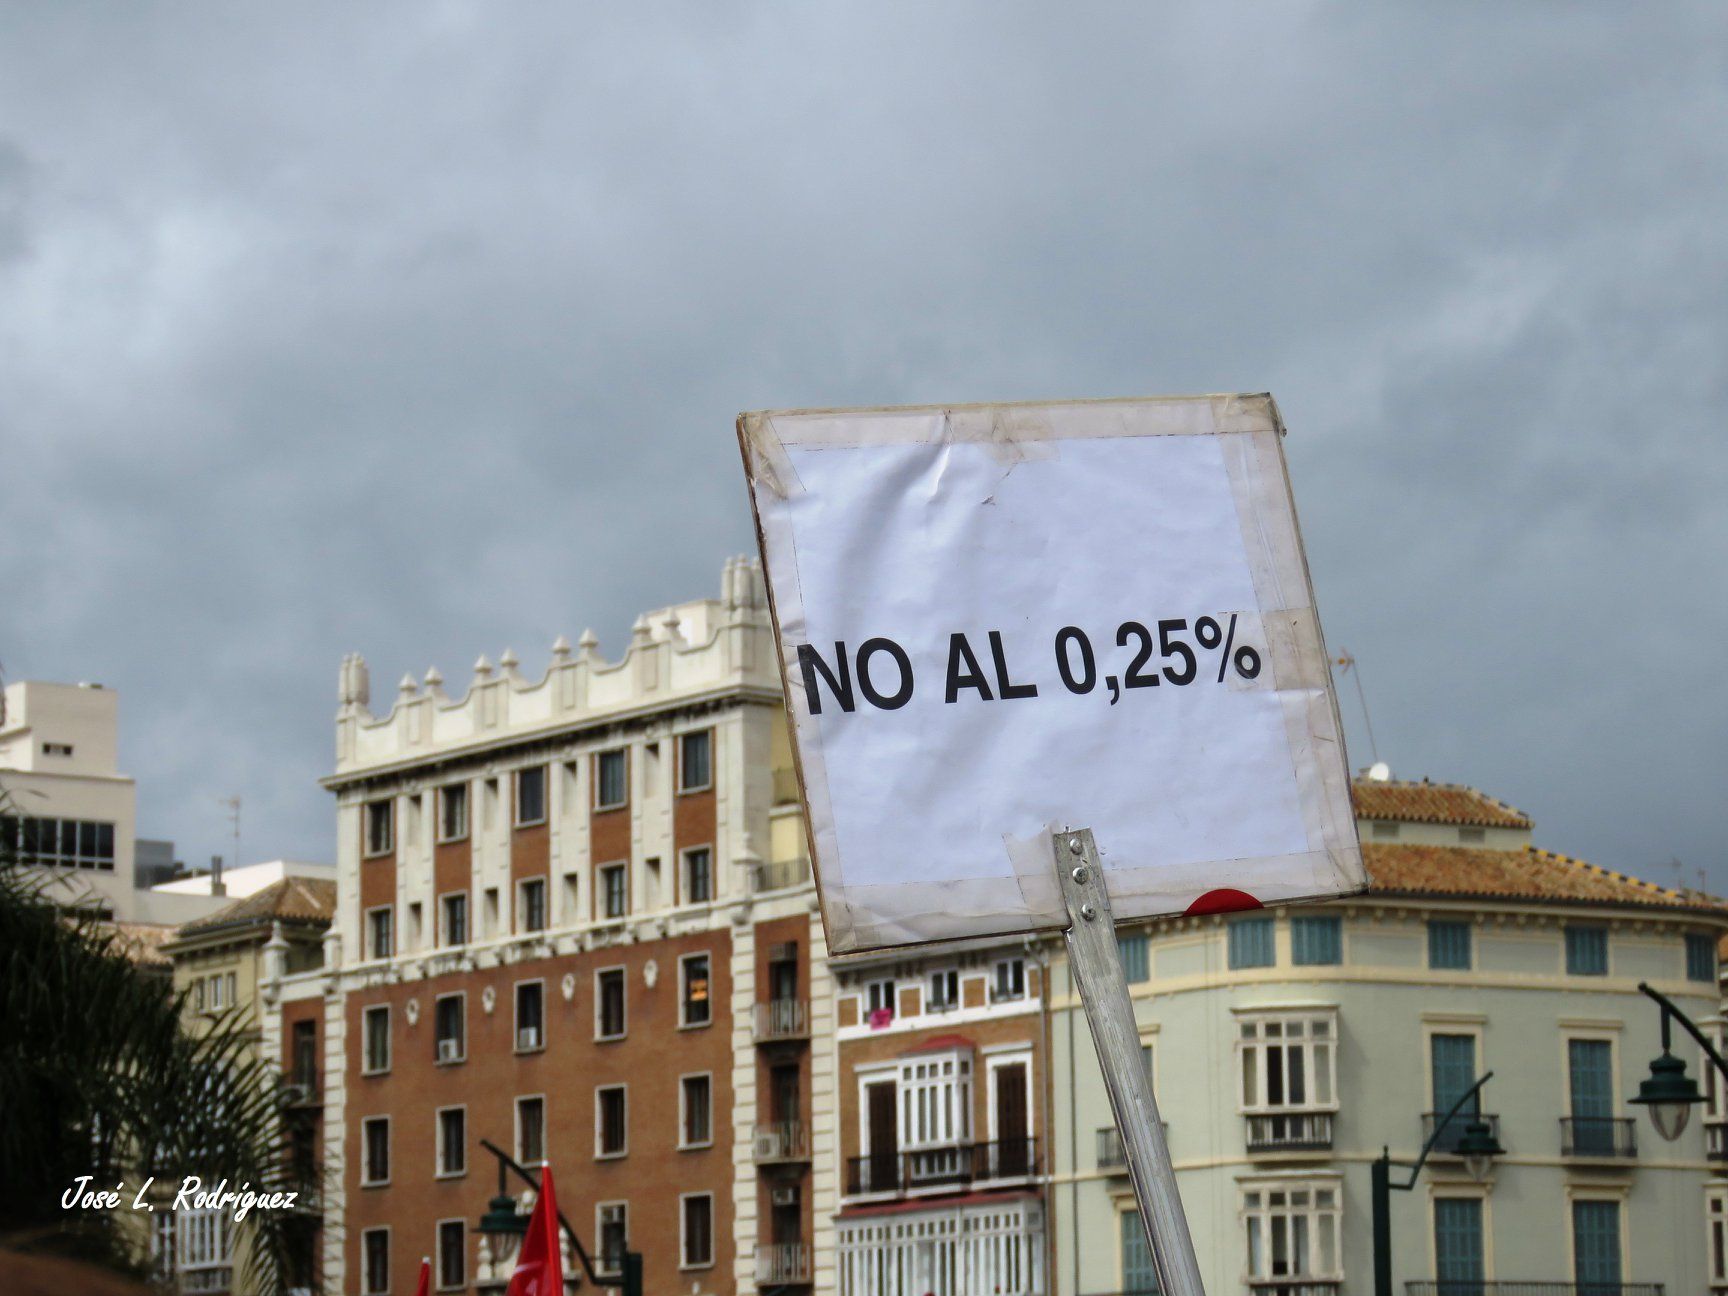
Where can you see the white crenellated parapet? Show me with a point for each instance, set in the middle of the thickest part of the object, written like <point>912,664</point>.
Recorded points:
<point>689,649</point>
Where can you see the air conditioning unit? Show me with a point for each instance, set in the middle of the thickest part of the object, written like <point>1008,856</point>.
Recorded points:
<point>528,1038</point>
<point>449,1050</point>
<point>295,1093</point>
<point>785,1196</point>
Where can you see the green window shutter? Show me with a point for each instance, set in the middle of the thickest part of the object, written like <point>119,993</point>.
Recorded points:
<point>1458,1245</point>
<point>1596,1247</point>
<point>1251,943</point>
<point>1316,940</point>
<point>1449,945</point>
<point>1700,958</point>
<point>1136,961</point>
<point>1587,951</point>
<point>1452,1059</point>
<point>1139,1278</point>
<point>1590,1066</point>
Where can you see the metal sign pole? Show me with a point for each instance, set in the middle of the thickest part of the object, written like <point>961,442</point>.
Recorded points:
<point>1097,969</point>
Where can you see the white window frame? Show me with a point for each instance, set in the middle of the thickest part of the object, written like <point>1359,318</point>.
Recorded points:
<point>516,1015</point>
<point>684,1110</point>
<point>365,1153</point>
<point>545,797</point>
<point>366,1287</point>
<point>438,1283</point>
<point>522,885</point>
<point>436,1000</point>
<point>1316,1215</point>
<point>949,978</point>
<point>1715,1109</point>
<point>601,1259</point>
<point>442,809</point>
<point>516,1114</point>
<point>366,1015</point>
<point>438,1114</point>
<point>933,1100</point>
<point>444,941</point>
<point>624,1008</point>
<point>993,1062</point>
<point>372,931</point>
<point>599,782</point>
<point>683,786</point>
<point>600,1122</point>
<point>684,1261</point>
<point>996,978</point>
<point>1260,1044</point>
<point>370,849</point>
<point>684,855</point>
<point>683,961</point>
<point>1715,1235</point>
<point>600,890</point>
<point>870,992</point>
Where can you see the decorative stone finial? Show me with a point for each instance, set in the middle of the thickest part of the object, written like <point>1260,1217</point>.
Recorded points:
<point>560,649</point>
<point>408,687</point>
<point>508,661</point>
<point>482,667</point>
<point>434,679</point>
<point>588,643</point>
<point>354,687</point>
<point>671,624</point>
<point>640,633</point>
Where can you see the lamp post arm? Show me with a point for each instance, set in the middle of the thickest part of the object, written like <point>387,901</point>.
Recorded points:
<point>1439,1128</point>
<point>576,1243</point>
<point>1669,1011</point>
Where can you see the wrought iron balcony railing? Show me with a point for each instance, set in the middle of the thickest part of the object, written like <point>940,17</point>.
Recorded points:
<point>1447,1143</point>
<point>1607,1137</point>
<point>1110,1153</point>
<point>1290,1131</point>
<point>783,1262</point>
<point>1295,1286</point>
<point>780,875</point>
<point>954,1166</point>
<point>781,1019</point>
<point>1518,1287</point>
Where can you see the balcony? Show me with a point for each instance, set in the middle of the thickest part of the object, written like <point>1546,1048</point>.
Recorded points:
<point>781,1019</point>
<point>1601,1138</point>
<point>779,876</point>
<point>1517,1287</point>
<point>1715,1142</point>
<point>1111,1155</point>
<point>301,1092</point>
<point>1447,1143</point>
<point>783,1262</point>
<point>1295,1286</point>
<point>1290,1132</point>
<point>780,1141</point>
<point>206,1280</point>
<point>954,1167</point>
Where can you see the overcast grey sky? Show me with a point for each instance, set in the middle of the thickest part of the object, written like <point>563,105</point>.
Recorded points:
<point>419,330</point>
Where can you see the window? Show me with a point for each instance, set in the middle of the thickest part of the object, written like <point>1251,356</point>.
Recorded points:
<point>453,915</point>
<point>1385,831</point>
<point>613,1228</point>
<point>1716,1234</point>
<point>1292,1232</point>
<point>56,749</point>
<point>1251,943</point>
<point>1458,1245</point>
<point>68,843</point>
<point>306,1053</point>
<point>1587,951</point>
<point>694,1007</point>
<point>696,1236</point>
<point>611,780</point>
<point>1700,958</point>
<point>530,1016</point>
<point>1451,1072</point>
<point>453,812</point>
<point>377,1059</point>
<point>531,796</point>
<point>614,891</point>
<point>452,1268</point>
<point>695,1111</point>
<point>1136,957</point>
<point>380,828</point>
<point>1316,940</point>
<point>695,763</point>
<point>451,1028</point>
<point>610,1131</point>
<point>1287,1061</point>
<point>490,910</point>
<point>944,993</point>
<point>879,1002</point>
<point>416,925</point>
<point>698,875</point>
<point>380,933</point>
<point>1590,1081</point>
<point>1449,944</point>
<point>1010,981</point>
<point>375,1150</point>
<point>1596,1245</point>
<point>375,1244</point>
<point>1710,1081</point>
<point>531,1130</point>
<point>1139,1276</point>
<point>1472,836</point>
<point>452,1141</point>
<point>609,1004</point>
<point>531,899</point>
<point>936,1101</point>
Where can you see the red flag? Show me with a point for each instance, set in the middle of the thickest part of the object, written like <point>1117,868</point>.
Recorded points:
<point>540,1263</point>
<point>424,1286</point>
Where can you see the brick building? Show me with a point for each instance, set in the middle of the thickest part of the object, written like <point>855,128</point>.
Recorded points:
<point>574,917</point>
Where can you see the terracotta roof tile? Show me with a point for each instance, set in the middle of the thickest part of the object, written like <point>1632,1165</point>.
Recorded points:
<point>1442,803</point>
<point>143,942</point>
<point>293,899</point>
<point>1528,874</point>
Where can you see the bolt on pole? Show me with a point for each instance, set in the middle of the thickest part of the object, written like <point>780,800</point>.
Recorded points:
<point>1097,968</point>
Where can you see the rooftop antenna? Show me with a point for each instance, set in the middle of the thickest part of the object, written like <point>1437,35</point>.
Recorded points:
<point>1345,664</point>
<point>233,804</point>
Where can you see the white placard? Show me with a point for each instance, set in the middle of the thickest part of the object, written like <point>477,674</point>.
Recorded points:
<point>999,620</point>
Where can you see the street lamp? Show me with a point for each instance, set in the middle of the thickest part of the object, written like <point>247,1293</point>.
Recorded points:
<point>1669,1093</point>
<point>502,1224</point>
<point>1477,1145</point>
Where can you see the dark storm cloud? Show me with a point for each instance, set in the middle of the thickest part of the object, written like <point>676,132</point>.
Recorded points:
<point>419,330</point>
